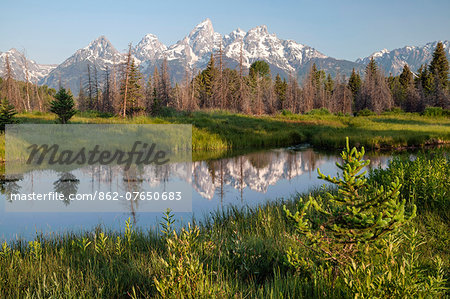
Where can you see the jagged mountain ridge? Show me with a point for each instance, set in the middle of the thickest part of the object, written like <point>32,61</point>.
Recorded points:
<point>100,55</point>
<point>415,56</point>
<point>18,62</point>
<point>194,50</point>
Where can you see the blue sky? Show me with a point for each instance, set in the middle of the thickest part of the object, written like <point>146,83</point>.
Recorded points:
<point>51,31</point>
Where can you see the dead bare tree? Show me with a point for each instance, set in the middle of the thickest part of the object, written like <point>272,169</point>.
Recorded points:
<point>96,105</point>
<point>38,97</point>
<point>375,93</point>
<point>308,94</point>
<point>106,96</point>
<point>341,98</point>
<point>243,104</point>
<point>27,80</point>
<point>127,75</point>
<point>90,88</point>
<point>10,89</point>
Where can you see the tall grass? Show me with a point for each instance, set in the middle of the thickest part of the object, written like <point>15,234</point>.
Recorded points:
<point>216,130</point>
<point>239,253</point>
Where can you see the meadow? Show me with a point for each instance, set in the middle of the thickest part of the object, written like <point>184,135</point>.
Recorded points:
<point>243,253</point>
<point>216,133</point>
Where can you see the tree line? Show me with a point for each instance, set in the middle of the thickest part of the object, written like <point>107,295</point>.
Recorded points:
<point>122,90</point>
<point>25,95</point>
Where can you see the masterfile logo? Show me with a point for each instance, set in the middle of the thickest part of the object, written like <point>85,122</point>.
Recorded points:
<point>134,154</point>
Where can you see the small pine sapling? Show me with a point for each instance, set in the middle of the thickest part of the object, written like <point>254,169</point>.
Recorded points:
<point>63,106</point>
<point>7,113</point>
<point>357,214</point>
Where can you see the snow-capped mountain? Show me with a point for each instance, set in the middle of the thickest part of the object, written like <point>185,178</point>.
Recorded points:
<point>257,44</point>
<point>100,55</point>
<point>150,48</point>
<point>19,65</point>
<point>394,60</point>
<point>194,50</point>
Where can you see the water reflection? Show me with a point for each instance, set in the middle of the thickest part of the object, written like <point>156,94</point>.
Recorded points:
<point>66,184</point>
<point>249,179</point>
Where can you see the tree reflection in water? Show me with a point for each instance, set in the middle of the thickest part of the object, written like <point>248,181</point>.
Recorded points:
<point>66,184</point>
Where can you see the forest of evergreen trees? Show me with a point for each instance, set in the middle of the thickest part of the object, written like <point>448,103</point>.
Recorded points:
<point>123,90</point>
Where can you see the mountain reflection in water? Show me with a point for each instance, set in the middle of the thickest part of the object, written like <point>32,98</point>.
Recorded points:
<point>246,180</point>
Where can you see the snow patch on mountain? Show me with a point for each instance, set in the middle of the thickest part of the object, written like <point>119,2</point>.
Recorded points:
<point>150,48</point>
<point>393,61</point>
<point>20,64</point>
<point>100,55</point>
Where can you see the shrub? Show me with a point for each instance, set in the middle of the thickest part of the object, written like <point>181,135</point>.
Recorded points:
<point>165,112</point>
<point>184,275</point>
<point>392,270</point>
<point>94,113</point>
<point>394,111</point>
<point>436,111</point>
<point>286,112</point>
<point>425,180</point>
<point>365,112</point>
<point>321,111</point>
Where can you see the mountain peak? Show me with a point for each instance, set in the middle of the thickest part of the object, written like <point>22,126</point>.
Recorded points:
<point>205,27</point>
<point>205,23</point>
<point>14,51</point>
<point>101,40</point>
<point>202,39</point>
<point>150,48</point>
<point>262,29</point>
<point>414,56</point>
<point>380,53</point>
<point>149,36</point>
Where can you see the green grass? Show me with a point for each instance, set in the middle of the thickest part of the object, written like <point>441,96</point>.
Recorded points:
<point>239,253</point>
<point>216,133</point>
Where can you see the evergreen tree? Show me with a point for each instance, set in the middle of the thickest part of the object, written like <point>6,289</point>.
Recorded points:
<point>354,83</point>
<point>410,97</point>
<point>165,84</point>
<point>7,113</point>
<point>134,90</point>
<point>406,77</point>
<point>206,84</point>
<point>259,68</point>
<point>425,80</point>
<point>63,106</point>
<point>329,84</point>
<point>357,214</point>
<point>371,68</point>
<point>397,90</point>
<point>280,90</point>
<point>439,66</point>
